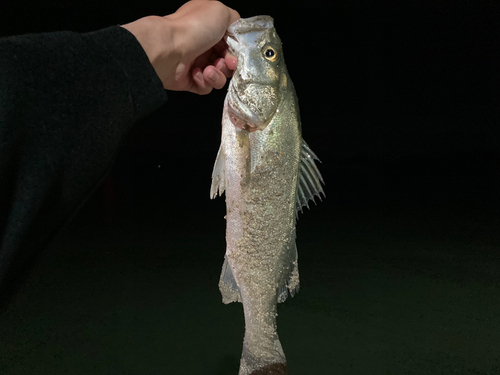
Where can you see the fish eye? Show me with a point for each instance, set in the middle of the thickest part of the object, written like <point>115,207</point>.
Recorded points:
<point>270,54</point>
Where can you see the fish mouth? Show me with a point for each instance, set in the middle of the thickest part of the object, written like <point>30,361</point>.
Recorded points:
<point>246,31</point>
<point>252,24</point>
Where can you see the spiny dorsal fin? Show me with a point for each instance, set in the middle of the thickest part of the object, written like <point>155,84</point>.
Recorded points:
<point>310,179</point>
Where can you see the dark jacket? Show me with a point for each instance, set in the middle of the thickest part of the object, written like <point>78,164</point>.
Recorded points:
<point>66,102</point>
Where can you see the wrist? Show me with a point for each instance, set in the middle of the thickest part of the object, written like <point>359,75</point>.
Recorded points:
<point>157,36</point>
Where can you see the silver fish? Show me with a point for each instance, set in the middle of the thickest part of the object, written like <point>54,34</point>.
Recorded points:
<point>268,173</point>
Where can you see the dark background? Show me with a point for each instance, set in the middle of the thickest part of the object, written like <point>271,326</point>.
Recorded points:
<point>399,264</point>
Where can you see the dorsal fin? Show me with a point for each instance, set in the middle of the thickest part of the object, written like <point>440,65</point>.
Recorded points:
<point>310,179</point>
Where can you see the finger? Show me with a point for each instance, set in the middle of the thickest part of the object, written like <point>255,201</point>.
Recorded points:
<point>214,77</point>
<point>231,61</point>
<point>200,85</point>
<point>220,64</point>
<point>221,49</point>
<point>233,16</point>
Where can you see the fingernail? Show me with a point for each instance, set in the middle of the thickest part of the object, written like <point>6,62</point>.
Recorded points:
<point>231,62</point>
<point>213,76</point>
<point>220,64</point>
<point>199,76</point>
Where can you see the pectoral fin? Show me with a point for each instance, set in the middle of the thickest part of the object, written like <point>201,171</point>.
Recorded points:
<point>310,179</point>
<point>218,175</point>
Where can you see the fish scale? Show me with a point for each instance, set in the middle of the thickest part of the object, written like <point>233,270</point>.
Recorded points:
<point>267,173</point>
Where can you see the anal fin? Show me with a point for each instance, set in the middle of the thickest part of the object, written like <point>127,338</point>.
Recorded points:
<point>289,284</point>
<point>218,175</point>
<point>227,284</point>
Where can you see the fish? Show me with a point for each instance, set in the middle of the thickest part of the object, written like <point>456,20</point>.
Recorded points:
<point>268,174</point>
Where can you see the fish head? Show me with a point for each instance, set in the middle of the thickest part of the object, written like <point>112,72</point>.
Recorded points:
<point>254,93</point>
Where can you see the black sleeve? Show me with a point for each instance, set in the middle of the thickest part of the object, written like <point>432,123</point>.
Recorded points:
<point>66,101</point>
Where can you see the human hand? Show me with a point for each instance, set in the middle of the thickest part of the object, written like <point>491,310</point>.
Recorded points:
<point>187,48</point>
